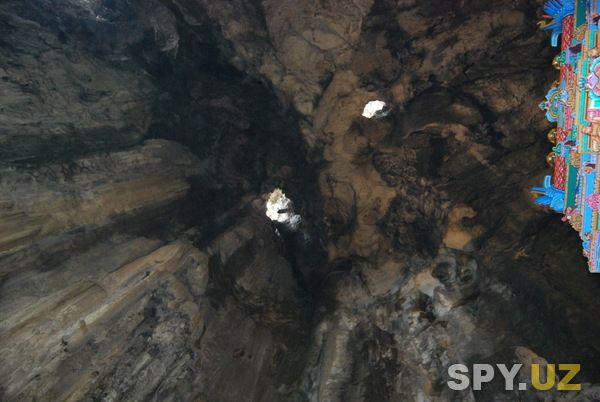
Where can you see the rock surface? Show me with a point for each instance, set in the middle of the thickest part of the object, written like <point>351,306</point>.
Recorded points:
<point>90,192</point>
<point>139,142</point>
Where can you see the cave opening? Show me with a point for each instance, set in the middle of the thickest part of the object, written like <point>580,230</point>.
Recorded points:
<point>375,109</point>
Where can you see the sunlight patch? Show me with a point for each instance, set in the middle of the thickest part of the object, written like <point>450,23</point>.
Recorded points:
<point>375,109</point>
<point>281,209</point>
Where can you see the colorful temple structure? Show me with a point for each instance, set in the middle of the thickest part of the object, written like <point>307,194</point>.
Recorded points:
<point>573,103</point>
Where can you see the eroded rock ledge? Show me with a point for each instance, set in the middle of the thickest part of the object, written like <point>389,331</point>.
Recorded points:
<point>90,192</point>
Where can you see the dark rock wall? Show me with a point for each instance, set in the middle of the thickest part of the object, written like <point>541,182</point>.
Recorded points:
<point>137,142</point>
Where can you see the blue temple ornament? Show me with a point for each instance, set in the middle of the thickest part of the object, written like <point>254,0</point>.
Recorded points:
<point>550,196</point>
<point>555,98</point>
<point>555,11</point>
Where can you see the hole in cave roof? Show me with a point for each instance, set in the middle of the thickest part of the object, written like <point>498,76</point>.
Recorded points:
<point>375,109</point>
<point>281,209</point>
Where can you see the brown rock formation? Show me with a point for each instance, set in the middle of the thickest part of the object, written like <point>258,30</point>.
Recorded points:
<point>139,141</point>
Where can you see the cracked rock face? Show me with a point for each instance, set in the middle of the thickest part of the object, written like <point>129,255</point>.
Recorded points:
<point>139,143</point>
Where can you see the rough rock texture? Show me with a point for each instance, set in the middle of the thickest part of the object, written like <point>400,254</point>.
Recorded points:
<point>90,192</point>
<point>147,320</point>
<point>138,142</point>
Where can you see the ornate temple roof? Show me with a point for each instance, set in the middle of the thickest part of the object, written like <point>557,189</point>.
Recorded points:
<point>573,103</point>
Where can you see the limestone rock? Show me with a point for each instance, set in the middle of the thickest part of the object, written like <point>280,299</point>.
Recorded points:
<point>90,192</point>
<point>139,142</point>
